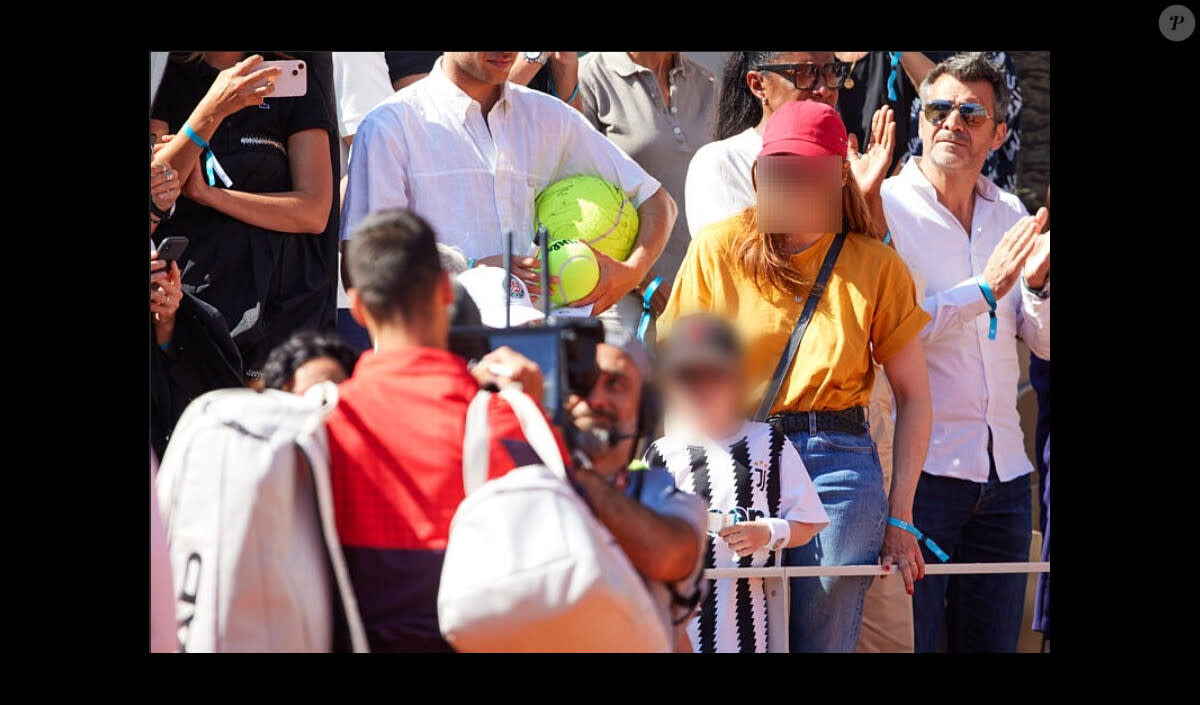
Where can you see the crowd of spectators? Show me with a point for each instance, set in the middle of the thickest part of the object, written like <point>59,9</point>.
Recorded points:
<point>339,235</point>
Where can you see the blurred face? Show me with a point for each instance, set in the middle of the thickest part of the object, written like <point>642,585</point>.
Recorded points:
<point>705,399</point>
<point>953,145</point>
<point>314,372</point>
<point>800,194</point>
<point>490,67</point>
<point>611,405</point>
<point>779,89</point>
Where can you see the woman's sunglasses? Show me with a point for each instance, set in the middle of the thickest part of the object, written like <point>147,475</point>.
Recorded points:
<point>936,112</point>
<point>804,75</point>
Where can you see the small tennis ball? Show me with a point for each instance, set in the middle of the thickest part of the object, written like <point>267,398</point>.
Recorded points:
<point>575,265</point>
<point>590,209</point>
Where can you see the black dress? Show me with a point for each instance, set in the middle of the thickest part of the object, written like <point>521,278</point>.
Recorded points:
<point>265,284</point>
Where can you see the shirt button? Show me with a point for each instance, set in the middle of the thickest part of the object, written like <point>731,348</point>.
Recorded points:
<point>676,130</point>
<point>674,109</point>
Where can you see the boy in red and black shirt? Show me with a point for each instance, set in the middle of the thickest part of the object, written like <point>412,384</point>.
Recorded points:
<point>396,435</point>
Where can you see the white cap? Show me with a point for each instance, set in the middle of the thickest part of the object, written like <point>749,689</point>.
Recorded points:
<point>485,285</point>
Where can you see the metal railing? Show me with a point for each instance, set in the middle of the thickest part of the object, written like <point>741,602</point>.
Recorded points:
<point>775,584</point>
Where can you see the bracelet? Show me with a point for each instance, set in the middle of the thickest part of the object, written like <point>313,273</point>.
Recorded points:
<point>991,300</point>
<point>647,310</point>
<point>212,168</point>
<point>891,82</point>
<point>162,214</point>
<point>933,547</point>
<point>781,533</point>
<point>470,263</point>
<point>164,346</point>
<point>553,92</point>
<point>887,238</point>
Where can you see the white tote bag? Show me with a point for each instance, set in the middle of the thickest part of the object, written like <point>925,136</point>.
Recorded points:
<point>528,566</point>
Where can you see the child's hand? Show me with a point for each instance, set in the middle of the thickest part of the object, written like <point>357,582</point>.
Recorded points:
<point>746,537</point>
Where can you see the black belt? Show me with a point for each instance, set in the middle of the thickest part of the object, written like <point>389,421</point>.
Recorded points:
<point>852,420</point>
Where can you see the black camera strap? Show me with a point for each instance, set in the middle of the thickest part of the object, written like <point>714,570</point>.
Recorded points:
<point>810,306</point>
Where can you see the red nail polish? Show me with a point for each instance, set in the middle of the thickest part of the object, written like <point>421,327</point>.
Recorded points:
<point>910,591</point>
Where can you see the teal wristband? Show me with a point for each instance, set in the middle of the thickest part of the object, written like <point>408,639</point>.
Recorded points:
<point>647,309</point>
<point>470,263</point>
<point>887,237</point>
<point>194,137</point>
<point>991,300</point>
<point>164,346</point>
<point>212,168</point>
<point>553,92</point>
<point>894,57</point>
<point>573,93</point>
<point>933,547</point>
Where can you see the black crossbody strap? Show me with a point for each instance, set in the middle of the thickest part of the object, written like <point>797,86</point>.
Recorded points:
<point>810,305</point>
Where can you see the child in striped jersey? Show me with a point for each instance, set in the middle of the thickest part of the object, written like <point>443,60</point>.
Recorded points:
<point>759,494</point>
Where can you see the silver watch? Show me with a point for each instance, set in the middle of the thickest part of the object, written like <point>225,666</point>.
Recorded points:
<point>536,57</point>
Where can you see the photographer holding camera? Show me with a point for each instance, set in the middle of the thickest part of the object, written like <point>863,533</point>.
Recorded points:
<point>607,414</point>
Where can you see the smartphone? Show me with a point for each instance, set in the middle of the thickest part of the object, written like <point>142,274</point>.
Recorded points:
<point>292,81</point>
<point>171,249</point>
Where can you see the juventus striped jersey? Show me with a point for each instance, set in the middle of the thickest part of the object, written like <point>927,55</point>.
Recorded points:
<point>753,475</point>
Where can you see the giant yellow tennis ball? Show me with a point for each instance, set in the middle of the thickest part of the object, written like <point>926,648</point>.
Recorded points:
<point>591,209</point>
<point>576,267</point>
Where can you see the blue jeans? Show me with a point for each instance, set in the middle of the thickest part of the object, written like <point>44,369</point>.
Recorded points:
<point>827,612</point>
<point>974,523</point>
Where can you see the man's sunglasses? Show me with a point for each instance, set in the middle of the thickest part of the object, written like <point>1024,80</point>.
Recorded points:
<point>804,75</point>
<point>936,112</point>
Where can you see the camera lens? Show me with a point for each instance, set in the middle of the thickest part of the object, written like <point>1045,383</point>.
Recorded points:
<point>295,72</point>
<point>300,66</point>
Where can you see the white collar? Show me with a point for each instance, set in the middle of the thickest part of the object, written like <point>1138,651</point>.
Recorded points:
<point>911,175</point>
<point>454,96</point>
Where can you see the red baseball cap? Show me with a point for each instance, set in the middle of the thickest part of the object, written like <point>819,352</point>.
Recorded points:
<point>806,128</point>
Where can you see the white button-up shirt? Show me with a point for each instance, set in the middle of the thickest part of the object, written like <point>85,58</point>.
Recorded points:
<point>428,148</point>
<point>973,380</point>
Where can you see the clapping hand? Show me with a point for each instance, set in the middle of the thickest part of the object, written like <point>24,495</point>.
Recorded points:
<point>871,167</point>
<point>1008,260</point>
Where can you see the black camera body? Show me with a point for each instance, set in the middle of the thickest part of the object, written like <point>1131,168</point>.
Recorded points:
<point>564,349</point>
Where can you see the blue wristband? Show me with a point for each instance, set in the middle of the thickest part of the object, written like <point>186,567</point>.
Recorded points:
<point>471,263</point>
<point>553,92</point>
<point>887,237</point>
<point>991,300</point>
<point>164,346</point>
<point>573,93</point>
<point>891,83</point>
<point>212,168</point>
<point>933,547</point>
<point>647,310</point>
<point>193,136</point>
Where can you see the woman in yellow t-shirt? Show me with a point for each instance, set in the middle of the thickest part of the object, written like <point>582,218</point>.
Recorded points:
<point>756,269</point>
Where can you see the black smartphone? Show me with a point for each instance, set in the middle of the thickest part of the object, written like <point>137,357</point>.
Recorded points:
<point>171,249</point>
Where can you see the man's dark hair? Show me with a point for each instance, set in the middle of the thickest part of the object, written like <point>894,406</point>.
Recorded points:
<point>303,347</point>
<point>393,262</point>
<point>973,66</point>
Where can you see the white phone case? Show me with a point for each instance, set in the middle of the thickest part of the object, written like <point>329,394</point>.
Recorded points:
<point>292,80</point>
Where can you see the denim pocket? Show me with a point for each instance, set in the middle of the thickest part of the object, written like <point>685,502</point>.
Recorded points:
<point>849,442</point>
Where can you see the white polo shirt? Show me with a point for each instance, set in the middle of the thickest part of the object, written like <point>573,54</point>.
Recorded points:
<point>973,380</point>
<point>429,149</point>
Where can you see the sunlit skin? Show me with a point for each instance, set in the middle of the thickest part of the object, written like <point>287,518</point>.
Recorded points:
<point>612,404</point>
<point>952,145</point>
<point>778,90</point>
<point>314,372</point>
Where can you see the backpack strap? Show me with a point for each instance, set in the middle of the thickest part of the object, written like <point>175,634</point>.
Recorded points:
<point>313,444</point>
<point>477,437</point>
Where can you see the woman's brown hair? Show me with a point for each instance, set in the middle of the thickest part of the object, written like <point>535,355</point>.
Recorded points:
<point>764,255</point>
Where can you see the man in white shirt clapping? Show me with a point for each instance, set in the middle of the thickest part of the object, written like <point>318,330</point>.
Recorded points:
<point>469,151</point>
<point>988,283</point>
